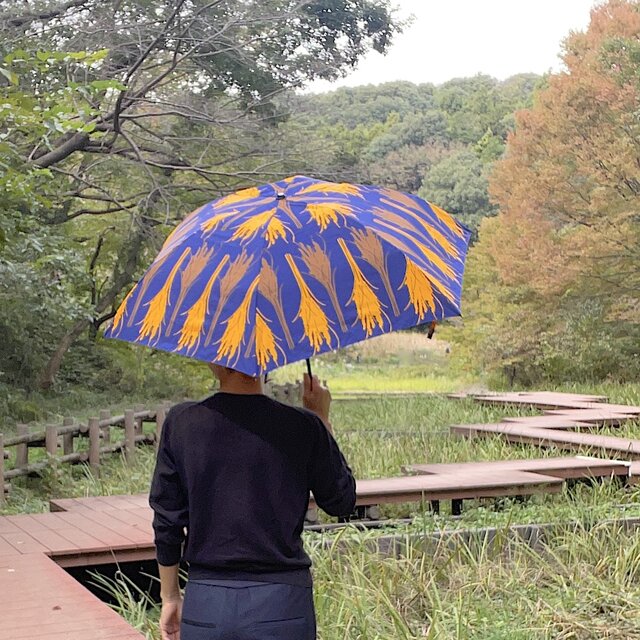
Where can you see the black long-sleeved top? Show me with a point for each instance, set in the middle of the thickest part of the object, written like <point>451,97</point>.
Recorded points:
<point>235,471</point>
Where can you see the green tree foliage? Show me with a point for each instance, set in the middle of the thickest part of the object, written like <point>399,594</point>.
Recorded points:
<point>117,117</point>
<point>367,104</point>
<point>404,169</point>
<point>458,183</point>
<point>402,135</point>
<point>414,129</point>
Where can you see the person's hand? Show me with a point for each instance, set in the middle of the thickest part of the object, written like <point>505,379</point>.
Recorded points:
<point>170,617</point>
<point>316,398</point>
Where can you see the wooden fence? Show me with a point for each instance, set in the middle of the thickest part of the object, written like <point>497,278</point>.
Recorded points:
<point>106,434</point>
<point>100,436</point>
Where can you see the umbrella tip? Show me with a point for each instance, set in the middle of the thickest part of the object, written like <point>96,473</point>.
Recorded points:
<point>280,195</point>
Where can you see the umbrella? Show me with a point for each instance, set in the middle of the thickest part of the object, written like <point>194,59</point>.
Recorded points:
<point>274,274</point>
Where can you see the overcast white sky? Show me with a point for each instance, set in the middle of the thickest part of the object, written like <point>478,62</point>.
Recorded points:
<point>458,38</point>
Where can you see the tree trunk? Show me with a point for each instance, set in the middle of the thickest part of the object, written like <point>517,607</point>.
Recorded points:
<point>123,271</point>
<point>53,366</point>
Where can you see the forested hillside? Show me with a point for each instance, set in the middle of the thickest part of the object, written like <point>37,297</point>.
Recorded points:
<point>108,138</point>
<point>437,141</point>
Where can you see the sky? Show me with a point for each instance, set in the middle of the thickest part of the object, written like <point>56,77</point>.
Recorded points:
<point>460,38</point>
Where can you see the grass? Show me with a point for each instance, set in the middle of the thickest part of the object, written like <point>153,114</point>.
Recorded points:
<point>401,361</point>
<point>583,585</point>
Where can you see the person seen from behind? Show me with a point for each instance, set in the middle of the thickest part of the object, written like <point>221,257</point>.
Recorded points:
<point>229,493</point>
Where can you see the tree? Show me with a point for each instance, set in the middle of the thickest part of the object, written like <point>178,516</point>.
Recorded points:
<point>566,244</point>
<point>369,104</point>
<point>458,184</point>
<point>429,127</point>
<point>405,168</point>
<point>136,108</point>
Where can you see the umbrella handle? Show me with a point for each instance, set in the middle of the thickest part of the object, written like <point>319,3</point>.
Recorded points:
<point>310,376</point>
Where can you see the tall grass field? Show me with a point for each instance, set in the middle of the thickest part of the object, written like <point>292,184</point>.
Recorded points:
<point>585,584</point>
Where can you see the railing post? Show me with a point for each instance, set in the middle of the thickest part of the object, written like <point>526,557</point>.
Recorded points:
<point>2,499</point>
<point>51,439</point>
<point>67,438</point>
<point>22,450</point>
<point>160,415</point>
<point>139,421</point>
<point>129,436</point>
<point>288,393</point>
<point>94,445</point>
<point>105,414</point>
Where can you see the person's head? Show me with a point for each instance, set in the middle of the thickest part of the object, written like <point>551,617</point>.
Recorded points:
<point>231,378</point>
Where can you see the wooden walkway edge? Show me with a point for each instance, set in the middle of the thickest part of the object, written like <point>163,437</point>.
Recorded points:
<point>41,600</point>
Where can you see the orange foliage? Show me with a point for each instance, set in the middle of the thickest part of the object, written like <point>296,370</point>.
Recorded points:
<point>567,237</point>
<point>568,185</point>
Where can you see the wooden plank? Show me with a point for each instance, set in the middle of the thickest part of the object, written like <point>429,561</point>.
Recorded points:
<point>67,438</point>
<point>7,549</point>
<point>626,447</point>
<point>110,539</point>
<point>94,445</point>
<point>600,406</point>
<point>108,520</point>
<point>89,559</point>
<point>129,436</point>
<point>22,450</point>
<point>549,422</point>
<point>142,520</point>
<point>540,401</point>
<point>61,504</point>
<point>28,523</point>
<point>560,396</point>
<point>41,601</point>
<point>599,416</point>
<point>85,542</point>
<point>6,526</point>
<point>50,521</point>
<point>51,439</point>
<point>54,542</point>
<point>160,416</point>
<point>565,467</point>
<point>139,500</point>
<point>96,503</point>
<point>23,543</point>
<point>452,486</point>
<point>2,498</point>
<point>108,502</point>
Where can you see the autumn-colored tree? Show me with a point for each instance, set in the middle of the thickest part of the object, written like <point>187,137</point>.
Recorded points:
<point>566,245</point>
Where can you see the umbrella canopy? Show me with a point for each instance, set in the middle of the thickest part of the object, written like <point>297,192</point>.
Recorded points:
<point>278,273</point>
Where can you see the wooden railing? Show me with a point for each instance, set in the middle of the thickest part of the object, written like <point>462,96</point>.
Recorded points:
<point>61,442</point>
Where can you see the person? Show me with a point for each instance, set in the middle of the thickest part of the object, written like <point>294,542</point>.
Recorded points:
<point>234,472</point>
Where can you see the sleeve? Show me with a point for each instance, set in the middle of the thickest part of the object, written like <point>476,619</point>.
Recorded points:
<point>331,481</point>
<point>168,500</point>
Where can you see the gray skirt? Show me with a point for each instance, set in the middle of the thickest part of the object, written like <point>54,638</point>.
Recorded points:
<point>243,610</point>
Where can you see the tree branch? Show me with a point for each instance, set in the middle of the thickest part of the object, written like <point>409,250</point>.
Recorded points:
<point>42,16</point>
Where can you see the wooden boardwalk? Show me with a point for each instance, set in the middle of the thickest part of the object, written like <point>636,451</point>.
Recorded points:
<point>41,601</point>
<point>568,422</point>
